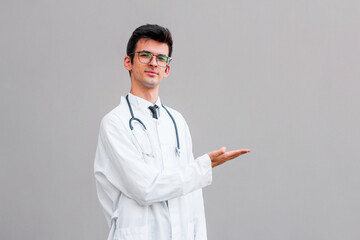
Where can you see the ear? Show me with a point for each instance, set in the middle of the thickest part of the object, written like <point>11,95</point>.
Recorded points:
<point>167,71</point>
<point>127,63</point>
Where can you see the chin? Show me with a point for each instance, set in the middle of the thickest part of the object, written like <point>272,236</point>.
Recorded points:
<point>152,83</point>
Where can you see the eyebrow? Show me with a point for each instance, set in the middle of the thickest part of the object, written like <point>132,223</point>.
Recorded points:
<point>146,51</point>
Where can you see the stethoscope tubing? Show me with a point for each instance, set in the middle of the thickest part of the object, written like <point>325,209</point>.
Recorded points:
<point>177,152</point>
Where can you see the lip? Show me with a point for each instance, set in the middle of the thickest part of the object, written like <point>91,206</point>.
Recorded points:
<point>151,73</point>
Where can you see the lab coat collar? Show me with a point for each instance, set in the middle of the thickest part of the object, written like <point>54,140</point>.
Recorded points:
<point>143,105</point>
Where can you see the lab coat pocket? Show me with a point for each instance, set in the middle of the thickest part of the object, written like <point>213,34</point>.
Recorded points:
<point>131,233</point>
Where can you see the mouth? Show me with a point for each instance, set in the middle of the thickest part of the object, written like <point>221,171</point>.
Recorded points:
<point>151,73</point>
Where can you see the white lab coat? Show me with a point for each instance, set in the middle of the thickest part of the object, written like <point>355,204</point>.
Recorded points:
<point>150,198</point>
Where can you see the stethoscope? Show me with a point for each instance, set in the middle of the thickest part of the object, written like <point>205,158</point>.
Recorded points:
<point>177,149</point>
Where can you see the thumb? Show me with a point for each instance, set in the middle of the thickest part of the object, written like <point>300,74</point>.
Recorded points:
<point>217,153</point>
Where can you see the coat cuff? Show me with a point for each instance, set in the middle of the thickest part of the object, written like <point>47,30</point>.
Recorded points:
<point>205,163</point>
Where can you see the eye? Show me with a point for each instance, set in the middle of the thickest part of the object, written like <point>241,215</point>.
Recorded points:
<point>162,58</point>
<point>145,55</point>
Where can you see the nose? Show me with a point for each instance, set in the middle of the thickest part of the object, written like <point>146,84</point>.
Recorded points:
<point>153,61</point>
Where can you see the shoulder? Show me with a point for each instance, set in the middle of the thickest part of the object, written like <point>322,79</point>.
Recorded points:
<point>115,118</point>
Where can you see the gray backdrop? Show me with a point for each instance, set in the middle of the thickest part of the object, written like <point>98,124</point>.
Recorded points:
<point>278,77</point>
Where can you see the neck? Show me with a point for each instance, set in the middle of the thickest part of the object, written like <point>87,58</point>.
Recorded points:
<point>150,95</point>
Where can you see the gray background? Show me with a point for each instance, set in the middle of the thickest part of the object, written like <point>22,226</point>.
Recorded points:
<point>278,77</point>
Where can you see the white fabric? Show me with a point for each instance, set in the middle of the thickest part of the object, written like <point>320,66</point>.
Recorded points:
<point>150,198</point>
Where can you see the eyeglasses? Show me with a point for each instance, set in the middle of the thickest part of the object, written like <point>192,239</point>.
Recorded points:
<point>146,57</point>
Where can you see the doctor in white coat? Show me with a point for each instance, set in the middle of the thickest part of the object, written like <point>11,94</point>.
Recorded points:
<point>148,182</point>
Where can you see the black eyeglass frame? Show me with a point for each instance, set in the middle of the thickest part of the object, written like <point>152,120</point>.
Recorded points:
<point>156,57</point>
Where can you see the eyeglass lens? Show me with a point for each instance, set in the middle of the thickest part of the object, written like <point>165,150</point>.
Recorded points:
<point>146,57</point>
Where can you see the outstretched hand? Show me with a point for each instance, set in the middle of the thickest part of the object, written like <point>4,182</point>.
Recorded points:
<point>221,156</point>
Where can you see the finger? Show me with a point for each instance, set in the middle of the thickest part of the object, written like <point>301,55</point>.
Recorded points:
<point>235,153</point>
<point>239,151</point>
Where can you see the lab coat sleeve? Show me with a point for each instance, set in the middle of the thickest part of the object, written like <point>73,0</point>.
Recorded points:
<point>126,169</point>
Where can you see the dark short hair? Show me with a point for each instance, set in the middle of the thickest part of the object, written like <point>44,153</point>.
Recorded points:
<point>149,31</point>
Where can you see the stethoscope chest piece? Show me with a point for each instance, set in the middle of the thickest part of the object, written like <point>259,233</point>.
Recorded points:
<point>177,152</point>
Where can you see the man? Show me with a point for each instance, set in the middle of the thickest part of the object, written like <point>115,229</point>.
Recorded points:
<point>147,179</point>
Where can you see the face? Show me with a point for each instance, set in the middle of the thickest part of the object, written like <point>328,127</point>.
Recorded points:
<point>147,75</point>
